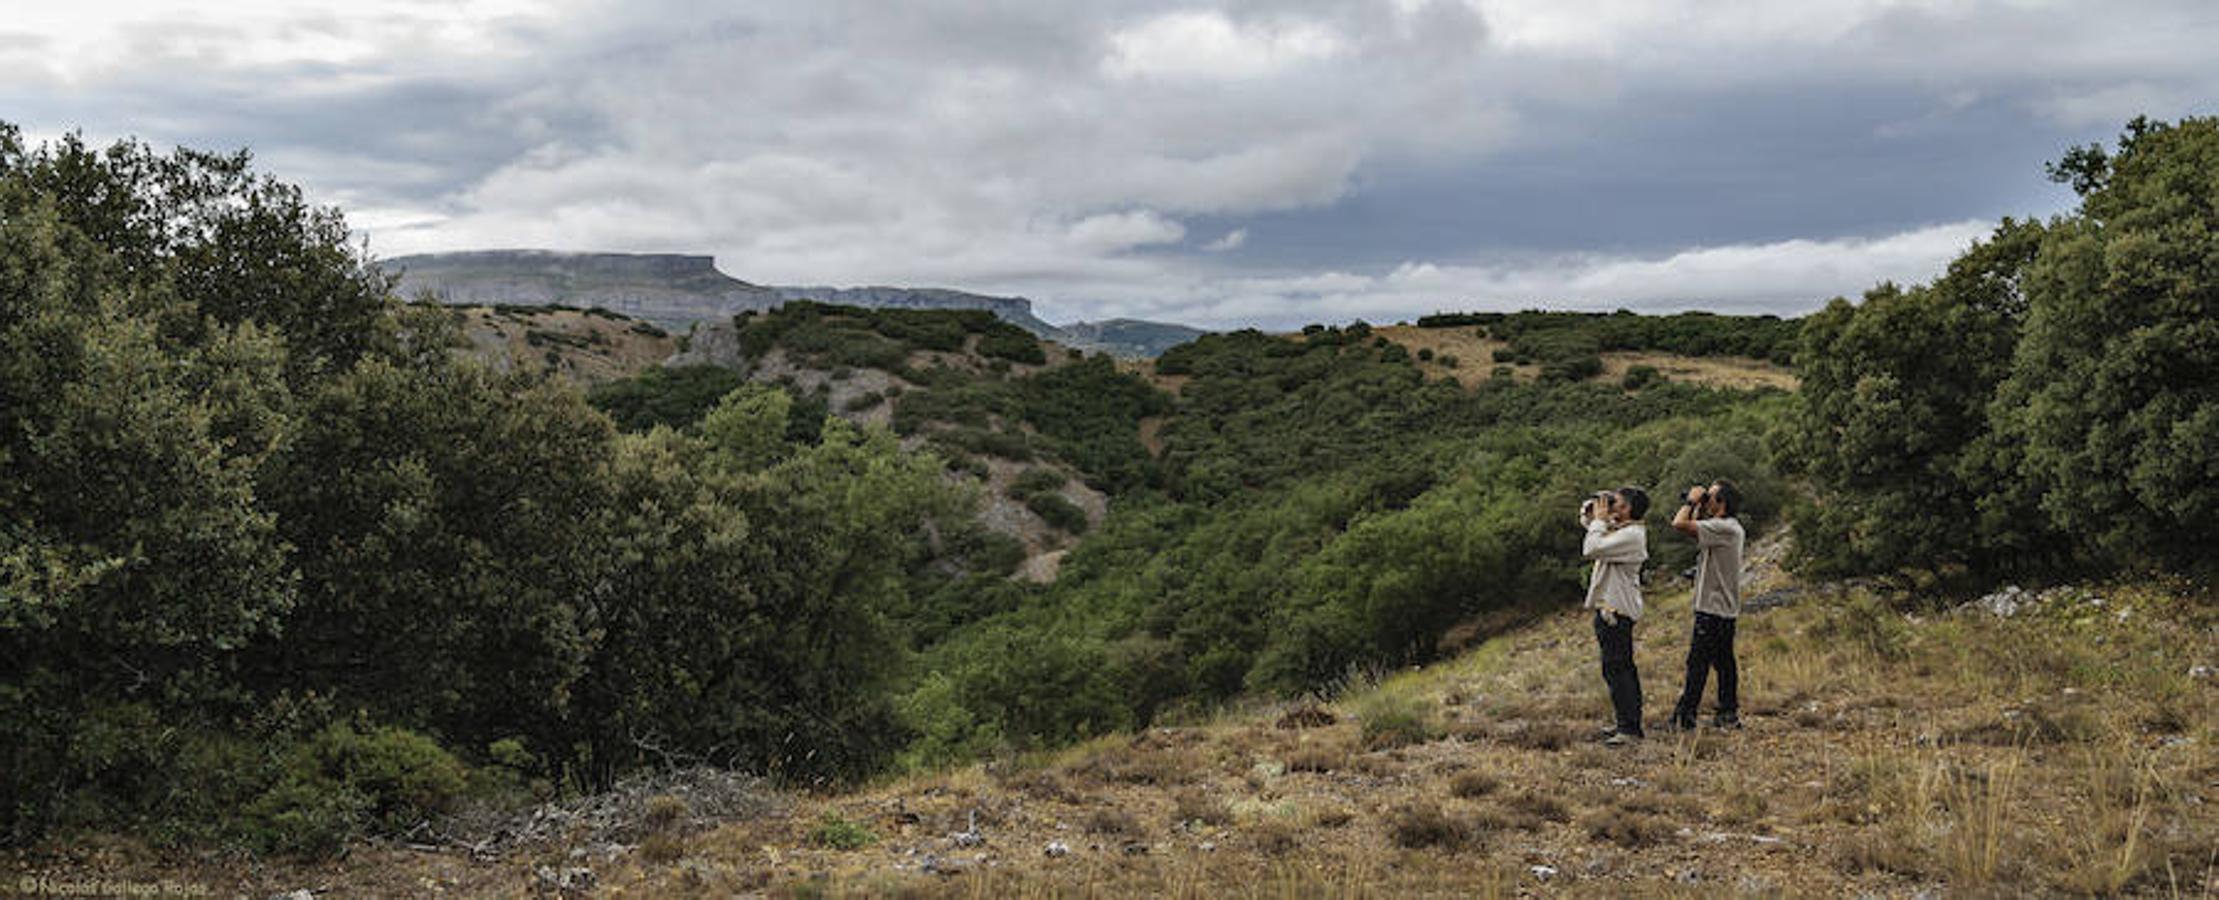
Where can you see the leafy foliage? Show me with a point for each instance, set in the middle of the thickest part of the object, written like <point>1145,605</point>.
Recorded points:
<point>1543,336</point>
<point>672,396</point>
<point>2049,402</point>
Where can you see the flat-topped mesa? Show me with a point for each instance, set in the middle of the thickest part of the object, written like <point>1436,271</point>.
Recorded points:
<point>670,288</point>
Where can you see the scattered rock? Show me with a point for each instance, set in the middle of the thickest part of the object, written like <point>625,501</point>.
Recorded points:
<point>1057,850</point>
<point>969,836</point>
<point>2200,672</point>
<point>574,878</point>
<point>302,894</point>
<point>1628,782</point>
<point>1543,873</point>
<point>1209,847</point>
<point>616,818</point>
<point>2002,604</point>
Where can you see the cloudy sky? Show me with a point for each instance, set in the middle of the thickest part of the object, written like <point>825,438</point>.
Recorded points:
<point>1216,162</point>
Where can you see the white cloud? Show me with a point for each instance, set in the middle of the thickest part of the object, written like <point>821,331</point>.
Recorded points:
<point>1787,277</point>
<point>1231,241</point>
<point>1113,232</point>
<point>1206,44</point>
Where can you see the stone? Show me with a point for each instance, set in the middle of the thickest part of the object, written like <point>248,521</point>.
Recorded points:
<point>573,878</point>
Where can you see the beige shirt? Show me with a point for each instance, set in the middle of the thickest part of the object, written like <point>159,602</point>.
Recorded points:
<point>1718,567</point>
<point>1618,554</point>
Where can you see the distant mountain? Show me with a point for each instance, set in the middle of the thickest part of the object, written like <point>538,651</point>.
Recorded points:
<point>665,288</point>
<point>676,290</point>
<point>1129,338</point>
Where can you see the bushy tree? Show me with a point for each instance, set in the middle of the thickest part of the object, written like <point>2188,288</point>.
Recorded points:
<point>134,561</point>
<point>1895,392</point>
<point>446,526</point>
<point>2050,401</point>
<point>2110,413</point>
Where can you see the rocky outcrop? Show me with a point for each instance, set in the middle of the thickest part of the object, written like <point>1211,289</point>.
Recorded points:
<point>666,288</point>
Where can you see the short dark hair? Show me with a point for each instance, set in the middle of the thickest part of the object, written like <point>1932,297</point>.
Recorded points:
<point>1728,496</point>
<point>1637,500</point>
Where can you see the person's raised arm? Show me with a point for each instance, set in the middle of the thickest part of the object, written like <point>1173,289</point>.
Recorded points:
<point>1684,520</point>
<point>1605,544</point>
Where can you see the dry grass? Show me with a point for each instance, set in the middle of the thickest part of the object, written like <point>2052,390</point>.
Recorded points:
<point>1474,784</point>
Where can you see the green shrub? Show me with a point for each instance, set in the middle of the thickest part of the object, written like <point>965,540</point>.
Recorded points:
<point>674,397</point>
<point>1014,344</point>
<point>344,782</point>
<point>1577,368</point>
<point>1058,512</point>
<point>1392,718</point>
<point>1641,377</point>
<point>841,834</point>
<point>1037,481</point>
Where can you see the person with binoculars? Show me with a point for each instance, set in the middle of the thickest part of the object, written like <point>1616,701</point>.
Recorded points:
<point>1619,544</point>
<point>1708,516</point>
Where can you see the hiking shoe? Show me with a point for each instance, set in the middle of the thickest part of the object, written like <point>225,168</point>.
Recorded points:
<point>1727,721</point>
<point>1621,739</point>
<point>1679,723</point>
<point>1607,732</point>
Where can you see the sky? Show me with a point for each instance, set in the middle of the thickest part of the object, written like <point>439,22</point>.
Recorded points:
<point>1221,163</point>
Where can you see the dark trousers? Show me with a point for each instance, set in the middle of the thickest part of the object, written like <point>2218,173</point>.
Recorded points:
<point>1711,647</point>
<point>1619,673</point>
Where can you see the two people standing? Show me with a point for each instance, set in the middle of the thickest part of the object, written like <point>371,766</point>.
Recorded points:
<point>1617,542</point>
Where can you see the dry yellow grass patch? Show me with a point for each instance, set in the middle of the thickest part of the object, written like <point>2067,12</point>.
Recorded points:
<point>1716,371</point>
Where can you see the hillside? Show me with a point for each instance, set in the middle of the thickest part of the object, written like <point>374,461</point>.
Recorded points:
<point>1473,354</point>
<point>969,387</point>
<point>584,346</point>
<point>2063,749</point>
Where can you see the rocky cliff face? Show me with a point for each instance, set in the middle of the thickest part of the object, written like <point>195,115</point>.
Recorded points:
<point>669,289</point>
<point>677,290</point>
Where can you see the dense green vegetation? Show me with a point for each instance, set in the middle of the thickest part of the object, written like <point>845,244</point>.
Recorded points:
<point>824,336</point>
<point>1545,337</point>
<point>276,568</point>
<point>673,396</point>
<point>1323,509</point>
<point>2050,404</point>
